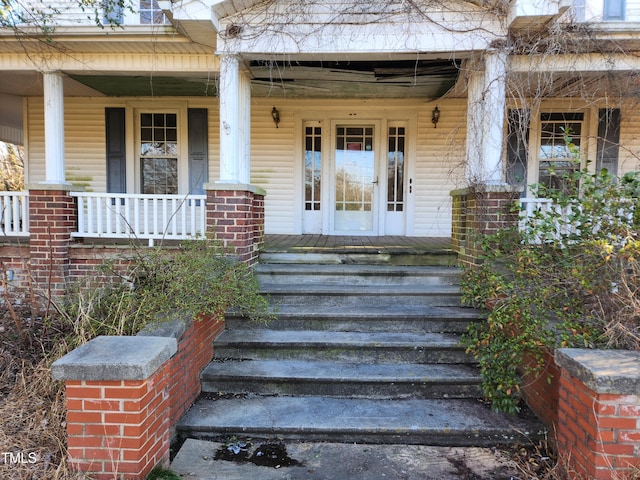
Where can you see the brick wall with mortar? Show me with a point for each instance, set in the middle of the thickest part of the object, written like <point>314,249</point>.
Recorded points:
<point>235,216</point>
<point>477,211</point>
<point>124,395</point>
<point>14,270</point>
<point>540,391</point>
<point>598,430</point>
<point>52,218</point>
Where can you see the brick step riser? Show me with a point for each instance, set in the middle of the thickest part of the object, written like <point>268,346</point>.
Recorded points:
<point>445,355</point>
<point>377,390</point>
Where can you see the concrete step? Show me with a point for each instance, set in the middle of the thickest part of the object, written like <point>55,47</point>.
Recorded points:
<point>365,347</point>
<point>356,274</point>
<point>322,296</point>
<point>198,460</point>
<point>362,256</point>
<point>347,380</point>
<point>435,422</point>
<point>396,318</point>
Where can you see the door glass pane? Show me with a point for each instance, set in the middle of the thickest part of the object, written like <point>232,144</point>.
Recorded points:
<point>354,178</point>
<point>395,170</point>
<point>312,167</point>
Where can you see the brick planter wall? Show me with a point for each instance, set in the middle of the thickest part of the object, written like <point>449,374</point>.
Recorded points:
<point>124,395</point>
<point>541,392</point>
<point>598,430</point>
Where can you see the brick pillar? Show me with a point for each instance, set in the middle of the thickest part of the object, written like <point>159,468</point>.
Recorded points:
<point>52,219</point>
<point>481,210</point>
<point>235,217</point>
<point>118,405</point>
<point>598,432</point>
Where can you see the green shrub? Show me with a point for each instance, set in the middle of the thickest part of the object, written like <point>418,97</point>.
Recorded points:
<point>568,278</point>
<point>196,279</point>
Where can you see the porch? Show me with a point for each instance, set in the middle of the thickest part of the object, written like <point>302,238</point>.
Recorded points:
<point>111,216</point>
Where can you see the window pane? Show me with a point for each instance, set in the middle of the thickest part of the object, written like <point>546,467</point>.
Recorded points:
<point>151,14</point>
<point>159,176</point>
<point>559,154</point>
<point>159,153</point>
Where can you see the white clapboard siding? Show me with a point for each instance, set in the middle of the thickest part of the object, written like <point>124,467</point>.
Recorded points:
<point>439,166</point>
<point>85,143</point>
<point>628,160</point>
<point>34,141</point>
<point>273,164</point>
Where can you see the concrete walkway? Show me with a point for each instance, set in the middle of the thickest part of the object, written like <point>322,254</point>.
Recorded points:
<point>337,461</point>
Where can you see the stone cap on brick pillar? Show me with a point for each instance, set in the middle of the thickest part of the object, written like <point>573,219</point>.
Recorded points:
<point>115,358</point>
<point>603,371</point>
<point>68,187</point>
<point>487,188</point>
<point>241,187</point>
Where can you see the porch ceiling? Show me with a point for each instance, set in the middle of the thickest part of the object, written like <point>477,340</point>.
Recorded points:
<point>361,79</point>
<point>354,79</point>
<point>148,86</point>
<point>586,86</point>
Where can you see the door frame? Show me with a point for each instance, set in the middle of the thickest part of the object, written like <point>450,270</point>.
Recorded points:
<point>381,120</point>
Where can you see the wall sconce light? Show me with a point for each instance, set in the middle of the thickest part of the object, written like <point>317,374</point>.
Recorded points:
<point>435,116</point>
<point>275,114</point>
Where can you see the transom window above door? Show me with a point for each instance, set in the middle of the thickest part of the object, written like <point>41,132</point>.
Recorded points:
<point>159,153</point>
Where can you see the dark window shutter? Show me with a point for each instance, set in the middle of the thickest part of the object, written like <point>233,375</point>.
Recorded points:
<point>608,139</point>
<point>614,9</point>
<point>517,143</point>
<point>116,150</point>
<point>198,150</point>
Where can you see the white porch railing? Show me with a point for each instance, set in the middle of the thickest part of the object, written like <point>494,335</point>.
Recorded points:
<point>565,218</point>
<point>14,214</point>
<point>530,207</point>
<point>138,216</point>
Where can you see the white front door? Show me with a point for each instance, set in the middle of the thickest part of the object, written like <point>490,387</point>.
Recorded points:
<point>355,180</point>
<point>355,177</point>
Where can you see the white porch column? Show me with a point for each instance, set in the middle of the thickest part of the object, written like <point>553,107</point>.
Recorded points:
<point>486,105</point>
<point>244,136</point>
<point>54,128</point>
<point>229,128</point>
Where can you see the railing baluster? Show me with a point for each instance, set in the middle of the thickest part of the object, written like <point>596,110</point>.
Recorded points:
<point>6,226</point>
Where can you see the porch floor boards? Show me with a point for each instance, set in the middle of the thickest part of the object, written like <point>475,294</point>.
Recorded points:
<point>276,243</point>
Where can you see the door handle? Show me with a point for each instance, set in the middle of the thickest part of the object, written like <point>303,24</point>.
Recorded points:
<point>375,182</point>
